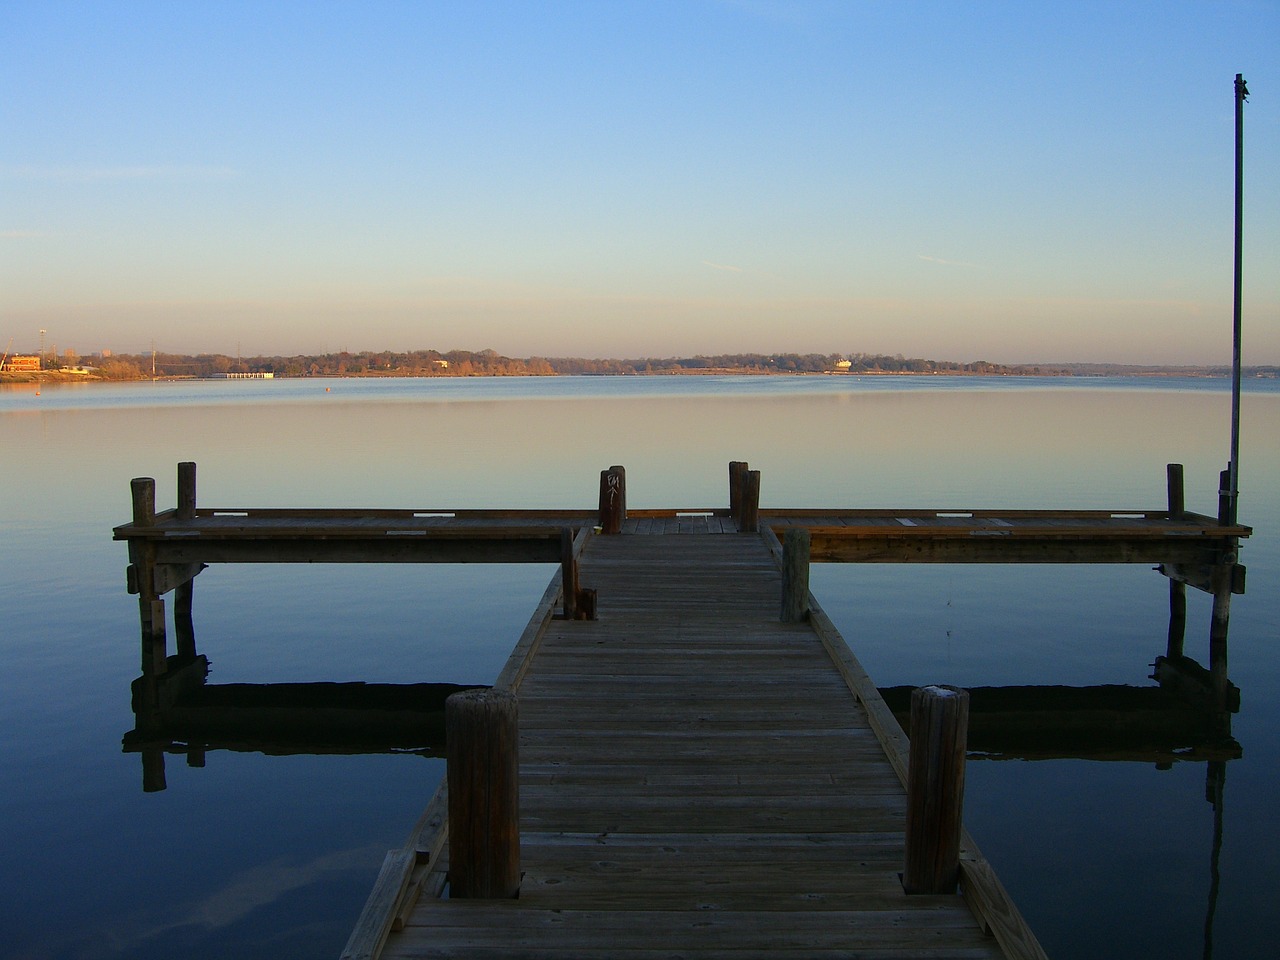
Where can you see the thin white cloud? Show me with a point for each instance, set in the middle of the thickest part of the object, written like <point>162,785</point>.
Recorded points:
<point>947,263</point>
<point>722,266</point>
<point>87,174</point>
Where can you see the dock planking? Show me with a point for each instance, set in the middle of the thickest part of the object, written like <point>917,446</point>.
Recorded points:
<point>697,779</point>
<point>699,776</point>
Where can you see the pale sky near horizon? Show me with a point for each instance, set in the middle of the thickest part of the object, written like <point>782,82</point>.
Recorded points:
<point>1015,182</point>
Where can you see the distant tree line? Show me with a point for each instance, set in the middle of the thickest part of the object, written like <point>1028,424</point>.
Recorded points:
<point>489,363</point>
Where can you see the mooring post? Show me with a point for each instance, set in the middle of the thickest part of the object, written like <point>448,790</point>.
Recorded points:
<point>1177,496</point>
<point>935,788</point>
<point>749,522</point>
<point>737,472</point>
<point>795,575</point>
<point>568,574</point>
<point>1224,499</point>
<point>186,491</point>
<point>144,501</point>
<point>481,748</point>
<point>621,471</point>
<point>613,499</point>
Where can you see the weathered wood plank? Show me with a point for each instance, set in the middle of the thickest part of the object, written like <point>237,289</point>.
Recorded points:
<point>375,920</point>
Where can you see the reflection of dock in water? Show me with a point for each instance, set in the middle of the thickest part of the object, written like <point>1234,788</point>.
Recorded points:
<point>704,766</point>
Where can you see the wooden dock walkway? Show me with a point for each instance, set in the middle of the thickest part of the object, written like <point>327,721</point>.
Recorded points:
<point>705,770</point>
<point>697,779</point>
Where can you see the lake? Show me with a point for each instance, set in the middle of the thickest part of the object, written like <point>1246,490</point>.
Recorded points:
<point>272,856</point>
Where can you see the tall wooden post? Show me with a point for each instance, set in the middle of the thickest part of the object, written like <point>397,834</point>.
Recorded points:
<point>795,574</point>
<point>749,521</point>
<point>621,471</point>
<point>737,473</point>
<point>186,491</point>
<point>613,499</point>
<point>144,501</point>
<point>568,574</point>
<point>935,789</point>
<point>1177,494</point>
<point>482,755</point>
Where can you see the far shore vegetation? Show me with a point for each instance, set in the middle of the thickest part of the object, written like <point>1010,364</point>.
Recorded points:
<point>489,363</point>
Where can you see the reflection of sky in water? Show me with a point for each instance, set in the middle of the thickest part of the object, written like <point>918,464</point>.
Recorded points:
<point>248,823</point>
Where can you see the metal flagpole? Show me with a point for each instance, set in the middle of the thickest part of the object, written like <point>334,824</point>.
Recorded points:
<point>1242,94</point>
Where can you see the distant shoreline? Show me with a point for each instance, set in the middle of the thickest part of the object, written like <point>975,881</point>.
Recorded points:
<point>1110,372</point>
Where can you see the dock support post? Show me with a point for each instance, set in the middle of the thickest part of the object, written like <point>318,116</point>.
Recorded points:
<point>613,499</point>
<point>186,491</point>
<point>481,748</point>
<point>749,518</point>
<point>1177,496</point>
<point>579,604</point>
<point>935,789</point>
<point>795,575</point>
<point>737,474</point>
<point>568,574</point>
<point>1224,498</point>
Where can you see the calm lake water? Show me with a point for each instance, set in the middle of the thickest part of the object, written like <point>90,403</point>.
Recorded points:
<point>262,856</point>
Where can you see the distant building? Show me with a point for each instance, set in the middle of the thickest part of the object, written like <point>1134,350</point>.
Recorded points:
<point>244,376</point>
<point>843,364</point>
<point>22,364</point>
<point>442,364</point>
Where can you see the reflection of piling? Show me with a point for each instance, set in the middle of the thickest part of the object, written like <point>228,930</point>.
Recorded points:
<point>1177,589</point>
<point>482,737</point>
<point>935,789</point>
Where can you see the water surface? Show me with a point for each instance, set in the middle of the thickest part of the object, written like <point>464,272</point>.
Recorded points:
<point>254,855</point>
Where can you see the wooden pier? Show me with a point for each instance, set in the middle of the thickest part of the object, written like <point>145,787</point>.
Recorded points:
<point>704,767</point>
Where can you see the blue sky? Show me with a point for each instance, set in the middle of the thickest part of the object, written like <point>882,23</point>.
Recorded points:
<point>1003,181</point>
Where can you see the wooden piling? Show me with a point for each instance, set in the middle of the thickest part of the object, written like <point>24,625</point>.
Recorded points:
<point>1177,496</point>
<point>621,471</point>
<point>144,501</point>
<point>737,472</point>
<point>613,499</point>
<point>935,789</point>
<point>482,739</point>
<point>749,516</point>
<point>795,575</point>
<point>568,574</point>
<point>186,492</point>
<point>1224,499</point>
